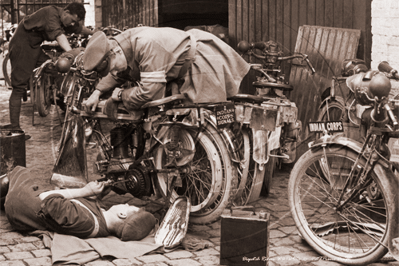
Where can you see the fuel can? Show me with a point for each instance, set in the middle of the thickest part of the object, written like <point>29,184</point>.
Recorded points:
<point>12,152</point>
<point>244,238</point>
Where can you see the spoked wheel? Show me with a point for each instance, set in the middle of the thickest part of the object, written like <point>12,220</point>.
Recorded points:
<point>7,70</point>
<point>331,111</point>
<point>357,233</point>
<point>209,181</point>
<point>244,184</point>
<point>70,91</point>
<point>43,95</point>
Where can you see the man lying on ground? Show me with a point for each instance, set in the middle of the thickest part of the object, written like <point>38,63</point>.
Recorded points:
<point>31,205</point>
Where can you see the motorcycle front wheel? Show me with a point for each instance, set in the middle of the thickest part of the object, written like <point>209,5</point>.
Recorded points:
<point>43,95</point>
<point>358,233</point>
<point>210,180</point>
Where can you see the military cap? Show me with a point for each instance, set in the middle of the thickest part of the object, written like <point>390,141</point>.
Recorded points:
<point>95,56</point>
<point>137,226</point>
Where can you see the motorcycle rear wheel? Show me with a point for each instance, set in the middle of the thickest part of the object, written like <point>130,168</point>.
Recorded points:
<point>359,233</point>
<point>211,182</point>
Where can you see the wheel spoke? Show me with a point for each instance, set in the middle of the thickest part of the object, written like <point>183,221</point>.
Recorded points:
<point>356,231</point>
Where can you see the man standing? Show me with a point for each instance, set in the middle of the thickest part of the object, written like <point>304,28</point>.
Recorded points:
<point>47,24</point>
<point>163,61</point>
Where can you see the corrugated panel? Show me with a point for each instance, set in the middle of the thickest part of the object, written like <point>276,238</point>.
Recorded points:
<point>326,47</point>
<point>129,13</point>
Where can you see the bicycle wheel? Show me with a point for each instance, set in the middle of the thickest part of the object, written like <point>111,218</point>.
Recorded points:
<point>7,70</point>
<point>359,233</point>
<point>332,111</point>
<point>210,181</point>
<point>43,95</point>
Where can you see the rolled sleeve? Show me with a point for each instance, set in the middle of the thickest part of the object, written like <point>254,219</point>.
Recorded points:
<point>53,27</point>
<point>108,82</point>
<point>134,98</point>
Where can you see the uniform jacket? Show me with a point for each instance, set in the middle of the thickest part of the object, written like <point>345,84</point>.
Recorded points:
<point>156,55</point>
<point>26,212</point>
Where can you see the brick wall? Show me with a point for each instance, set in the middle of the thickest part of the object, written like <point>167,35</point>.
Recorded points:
<point>385,47</point>
<point>384,27</point>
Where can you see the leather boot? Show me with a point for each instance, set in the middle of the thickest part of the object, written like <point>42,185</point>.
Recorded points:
<point>15,110</point>
<point>15,113</point>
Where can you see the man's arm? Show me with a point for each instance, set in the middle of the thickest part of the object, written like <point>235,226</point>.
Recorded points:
<point>106,84</point>
<point>91,189</point>
<point>86,31</point>
<point>63,42</point>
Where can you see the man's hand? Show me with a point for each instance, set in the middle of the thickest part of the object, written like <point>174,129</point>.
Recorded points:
<point>94,188</point>
<point>90,105</point>
<point>116,94</point>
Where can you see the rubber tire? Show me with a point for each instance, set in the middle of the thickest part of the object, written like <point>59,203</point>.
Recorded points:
<point>227,176</point>
<point>269,172</point>
<point>384,182</point>
<point>7,70</point>
<point>42,96</point>
<point>337,104</point>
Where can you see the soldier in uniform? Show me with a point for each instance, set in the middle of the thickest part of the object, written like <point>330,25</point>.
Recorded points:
<point>163,61</point>
<point>49,23</point>
<point>31,204</point>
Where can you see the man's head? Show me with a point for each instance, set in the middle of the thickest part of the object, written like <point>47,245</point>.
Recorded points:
<point>103,55</point>
<point>73,13</point>
<point>133,223</point>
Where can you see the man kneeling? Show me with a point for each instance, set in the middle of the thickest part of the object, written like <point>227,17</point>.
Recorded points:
<point>30,206</point>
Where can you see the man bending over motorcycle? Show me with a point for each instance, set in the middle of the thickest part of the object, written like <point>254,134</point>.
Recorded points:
<point>163,61</point>
<point>31,204</point>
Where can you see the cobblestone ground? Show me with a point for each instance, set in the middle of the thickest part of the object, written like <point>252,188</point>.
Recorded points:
<point>286,247</point>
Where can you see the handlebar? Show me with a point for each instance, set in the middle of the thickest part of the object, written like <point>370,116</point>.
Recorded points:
<point>386,68</point>
<point>391,116</point>
<point>270,50</point>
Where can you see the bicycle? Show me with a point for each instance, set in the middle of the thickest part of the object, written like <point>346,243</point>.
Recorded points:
<point>342,192</point>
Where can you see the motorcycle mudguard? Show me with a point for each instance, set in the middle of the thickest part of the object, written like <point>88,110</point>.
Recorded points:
<point>260,153</point>
<point>381,169</point>
<point>70,169</point>
<point>337,139</point>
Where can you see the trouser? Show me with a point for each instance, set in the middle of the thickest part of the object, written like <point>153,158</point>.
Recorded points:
<point>25,56</point>
<point>22,202</point>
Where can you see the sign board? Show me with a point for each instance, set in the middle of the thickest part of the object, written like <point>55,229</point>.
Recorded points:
<point>330,126</point>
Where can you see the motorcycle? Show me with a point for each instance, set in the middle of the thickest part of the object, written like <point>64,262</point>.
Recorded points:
<point>46,82</point>
<point>163,151</point>
<point>266,123</point>
<point>343,192</point>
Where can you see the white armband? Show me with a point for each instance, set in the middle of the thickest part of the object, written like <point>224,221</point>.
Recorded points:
<point>157,76</point>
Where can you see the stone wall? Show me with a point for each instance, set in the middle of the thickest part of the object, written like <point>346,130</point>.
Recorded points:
<point>385,31</point>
